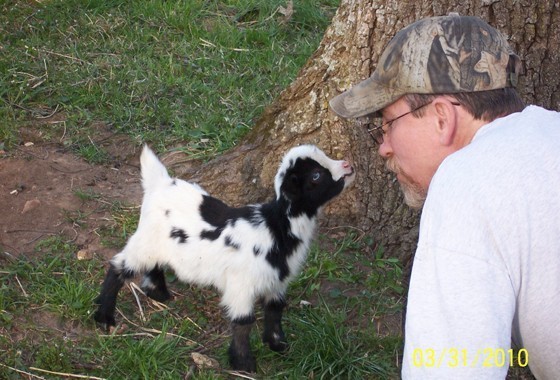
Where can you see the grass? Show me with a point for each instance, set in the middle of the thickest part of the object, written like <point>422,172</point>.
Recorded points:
<point>46,306</point>
<point>191,73</point>
<point>328,351</point>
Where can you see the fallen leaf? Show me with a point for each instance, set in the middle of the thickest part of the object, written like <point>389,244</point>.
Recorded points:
<point>30,205</point>
<point>287,12</point>
<point>84,255</point>
<point>203,361</point>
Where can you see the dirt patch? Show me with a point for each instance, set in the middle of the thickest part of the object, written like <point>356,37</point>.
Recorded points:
<point>38,194</point>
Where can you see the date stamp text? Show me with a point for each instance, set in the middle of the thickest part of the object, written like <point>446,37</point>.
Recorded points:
<point>460,357</point>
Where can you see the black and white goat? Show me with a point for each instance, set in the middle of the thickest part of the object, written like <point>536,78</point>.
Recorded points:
<point>248,253</point>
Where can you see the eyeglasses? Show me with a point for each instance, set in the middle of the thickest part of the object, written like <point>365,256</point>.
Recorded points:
<point>377,131</point>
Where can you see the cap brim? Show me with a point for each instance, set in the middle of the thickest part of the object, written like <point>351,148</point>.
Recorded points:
<point>365,98</point>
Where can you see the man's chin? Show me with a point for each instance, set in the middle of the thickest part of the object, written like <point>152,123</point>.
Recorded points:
<point>414,198</point>
<point>414,195</point>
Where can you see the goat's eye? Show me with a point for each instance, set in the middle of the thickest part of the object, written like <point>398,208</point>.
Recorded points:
<point>316,176</point>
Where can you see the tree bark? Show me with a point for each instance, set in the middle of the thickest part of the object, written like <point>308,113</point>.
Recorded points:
<point>348,54</point>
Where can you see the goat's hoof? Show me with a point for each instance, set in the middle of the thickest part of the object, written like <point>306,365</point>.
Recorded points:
<point>276,342</point>
<point>246,362</point>
<point>248,365</point>
<point>158,294</point>
<point>104,321</point>
<point>279,346</point>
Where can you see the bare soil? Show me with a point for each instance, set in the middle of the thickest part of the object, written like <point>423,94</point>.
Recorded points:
<point>38,185</point>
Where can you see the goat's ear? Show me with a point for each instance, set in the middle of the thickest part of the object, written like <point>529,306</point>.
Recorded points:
<point>290,186</point>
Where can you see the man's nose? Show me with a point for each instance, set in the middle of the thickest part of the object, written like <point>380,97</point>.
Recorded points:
<point>385,149</point>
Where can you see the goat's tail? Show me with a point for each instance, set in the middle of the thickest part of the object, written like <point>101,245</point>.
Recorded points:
<point>153,171</point>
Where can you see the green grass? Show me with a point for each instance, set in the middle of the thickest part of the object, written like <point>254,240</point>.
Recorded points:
<point>351,268</point>
<point>191,73</point>
<point>329,351</point>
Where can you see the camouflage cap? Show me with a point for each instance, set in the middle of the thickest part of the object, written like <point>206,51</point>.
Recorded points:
<point>445,54</point>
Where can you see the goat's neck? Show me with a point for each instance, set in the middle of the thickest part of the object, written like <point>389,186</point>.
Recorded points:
<point>300,224</point>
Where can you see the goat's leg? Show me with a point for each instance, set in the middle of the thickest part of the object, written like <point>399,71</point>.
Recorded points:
<point>240,356</point>
<point>273,335</point>
<point>238,299</point>
<point>107,300</point>
<point>154,285</point>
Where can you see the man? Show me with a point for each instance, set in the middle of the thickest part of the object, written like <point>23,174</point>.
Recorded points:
<point>485,284</point>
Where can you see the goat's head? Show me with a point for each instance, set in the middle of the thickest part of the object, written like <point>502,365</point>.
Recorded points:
<point>308,179</point>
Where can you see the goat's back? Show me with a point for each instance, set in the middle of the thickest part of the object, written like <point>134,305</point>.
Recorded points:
<point>172,231</point>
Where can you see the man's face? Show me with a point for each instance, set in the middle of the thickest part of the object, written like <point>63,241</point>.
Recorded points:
<point>412,150</point>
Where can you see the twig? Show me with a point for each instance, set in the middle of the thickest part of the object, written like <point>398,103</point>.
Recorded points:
<point>67,374</point>
<point>22,372</point>
<point>171,334</point>
<point>155,331</point>
<point>150,333</point>
<point>362,232</point>
<point>239,374</point>
<point>49,115</point>
<point>133,287</point>
<point>207,43</point>
<point>21,286</point>
<point>125,335</point>
<point>62,55</point>
<point>8,255</point>
<point>64,132</point>
<point>29,230</point>
<point>35,239</point>
<point>93,143</point>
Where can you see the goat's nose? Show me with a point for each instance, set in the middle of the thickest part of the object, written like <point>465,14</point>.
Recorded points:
<point>346,164</point>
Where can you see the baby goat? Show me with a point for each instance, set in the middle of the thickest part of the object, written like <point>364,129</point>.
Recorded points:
<point>247,253</point>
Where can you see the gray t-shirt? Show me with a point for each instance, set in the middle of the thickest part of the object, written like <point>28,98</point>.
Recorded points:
<point>485,285</point>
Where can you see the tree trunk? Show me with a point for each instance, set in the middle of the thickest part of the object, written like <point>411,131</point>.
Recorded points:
<point>347,54</point>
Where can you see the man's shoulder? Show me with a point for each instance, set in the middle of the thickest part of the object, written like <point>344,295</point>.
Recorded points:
<point>504,146</point>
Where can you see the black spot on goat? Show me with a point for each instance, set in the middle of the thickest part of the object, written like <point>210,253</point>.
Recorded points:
<point>179,234</point>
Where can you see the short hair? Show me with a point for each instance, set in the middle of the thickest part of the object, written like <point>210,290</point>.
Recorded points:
<point>482,105</point>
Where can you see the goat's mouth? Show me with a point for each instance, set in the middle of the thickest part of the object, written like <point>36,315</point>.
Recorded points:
<point>349,177</point>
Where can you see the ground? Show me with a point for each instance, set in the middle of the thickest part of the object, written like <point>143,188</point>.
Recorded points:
<point>38,186</point>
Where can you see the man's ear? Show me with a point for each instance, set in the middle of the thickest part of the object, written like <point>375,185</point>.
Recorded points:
<point>446,114</point>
